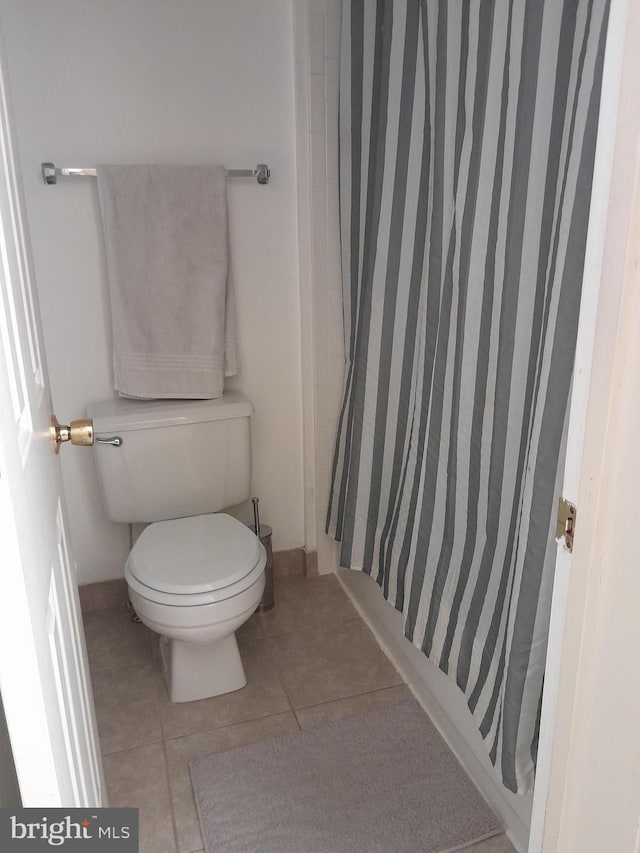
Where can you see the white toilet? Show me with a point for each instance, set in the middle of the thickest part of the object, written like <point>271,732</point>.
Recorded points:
<point>195,575</point>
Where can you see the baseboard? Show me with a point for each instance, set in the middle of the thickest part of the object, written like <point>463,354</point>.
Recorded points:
<point>443,703</point>
<point>311,564</point>
<point>290,563</point>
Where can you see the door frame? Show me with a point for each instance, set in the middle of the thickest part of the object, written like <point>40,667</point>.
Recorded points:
<point>611,204</point>
<point>602,340</point>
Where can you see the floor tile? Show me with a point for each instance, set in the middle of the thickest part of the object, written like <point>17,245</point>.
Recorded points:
<point>127,703</point>
<point>311,652</point>
<point>138,778</point>
<point>264,695</point>
<point>331,663</point>
<point>305,603</point>
<point>110,594</point>
<point>331,712</point>
<point>497,844</point>
<point>86,597</point>
<point>251,630</point>
<point>182,750</point>
<point>113,640</point>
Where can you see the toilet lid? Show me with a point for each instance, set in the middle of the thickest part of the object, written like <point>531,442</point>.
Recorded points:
<point>186,556</point>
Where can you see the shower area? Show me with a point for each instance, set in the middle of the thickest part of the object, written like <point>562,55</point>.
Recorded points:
<point>450,151</point>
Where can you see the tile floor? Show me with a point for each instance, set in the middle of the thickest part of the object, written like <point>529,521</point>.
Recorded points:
<point>298,677</point>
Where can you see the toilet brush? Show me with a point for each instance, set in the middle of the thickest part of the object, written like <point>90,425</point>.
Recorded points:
<point>256,516</point>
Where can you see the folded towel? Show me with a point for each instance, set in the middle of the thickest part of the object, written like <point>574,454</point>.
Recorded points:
<point>172,305</point>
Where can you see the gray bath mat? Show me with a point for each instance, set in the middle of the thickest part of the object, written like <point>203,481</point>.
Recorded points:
<point>383,782</point>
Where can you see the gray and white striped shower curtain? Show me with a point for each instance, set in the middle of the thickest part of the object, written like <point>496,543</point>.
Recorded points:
<point>467,144</point>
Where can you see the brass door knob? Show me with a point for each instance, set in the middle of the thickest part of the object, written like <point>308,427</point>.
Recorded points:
<point>78,432</point>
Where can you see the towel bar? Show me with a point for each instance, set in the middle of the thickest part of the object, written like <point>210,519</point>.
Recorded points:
<point>50,173</point>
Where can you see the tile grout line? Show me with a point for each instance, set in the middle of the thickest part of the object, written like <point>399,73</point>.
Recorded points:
<point>346,621</point>
<point>174,824</point>
<point>130,748</point>
<point>165,741</point>
<point>228,726</point>
<point>139,663</point>
<point>164,738</point>
<point>356,618</point>
<point>158,697</point>
<point>130,665</point>
<point>353,696</point>
<point>274,663</point>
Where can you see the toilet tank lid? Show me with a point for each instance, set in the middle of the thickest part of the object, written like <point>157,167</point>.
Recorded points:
<point>126,414</point>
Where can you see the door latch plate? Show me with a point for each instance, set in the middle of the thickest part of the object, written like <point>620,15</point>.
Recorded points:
<point>566,526</point>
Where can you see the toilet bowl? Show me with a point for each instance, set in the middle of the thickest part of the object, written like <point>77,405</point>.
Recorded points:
<point>195,581</point>
<point>195,574</point>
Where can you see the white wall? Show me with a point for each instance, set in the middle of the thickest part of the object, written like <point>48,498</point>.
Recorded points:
<point>159,81</point>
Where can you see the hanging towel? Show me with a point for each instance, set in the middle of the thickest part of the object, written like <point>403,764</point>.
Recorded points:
<point>172,305</point>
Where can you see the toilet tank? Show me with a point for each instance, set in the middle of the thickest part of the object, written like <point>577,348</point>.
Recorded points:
<point>176,457</point>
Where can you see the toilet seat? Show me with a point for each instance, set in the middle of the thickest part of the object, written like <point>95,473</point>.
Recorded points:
<point>197,560</point>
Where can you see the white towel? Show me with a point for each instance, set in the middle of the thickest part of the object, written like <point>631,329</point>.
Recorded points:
<point>172,304</point>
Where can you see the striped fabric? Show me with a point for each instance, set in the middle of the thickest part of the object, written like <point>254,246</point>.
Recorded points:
<point>467,145</point>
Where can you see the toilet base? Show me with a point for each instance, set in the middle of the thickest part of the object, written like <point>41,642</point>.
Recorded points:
<point>201,670</point>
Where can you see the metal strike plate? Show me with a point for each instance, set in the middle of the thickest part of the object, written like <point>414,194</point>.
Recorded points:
<point>566,526</point>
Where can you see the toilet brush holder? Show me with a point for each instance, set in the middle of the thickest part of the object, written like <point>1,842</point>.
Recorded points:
<point>264,533</point>
<point>266,602</point>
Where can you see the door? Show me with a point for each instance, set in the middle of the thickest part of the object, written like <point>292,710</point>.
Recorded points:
<point>44,675</point>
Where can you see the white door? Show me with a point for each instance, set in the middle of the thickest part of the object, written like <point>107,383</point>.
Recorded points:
<point>44,675</point>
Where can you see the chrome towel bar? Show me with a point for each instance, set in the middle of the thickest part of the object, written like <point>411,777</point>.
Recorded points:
<point>51,173</point>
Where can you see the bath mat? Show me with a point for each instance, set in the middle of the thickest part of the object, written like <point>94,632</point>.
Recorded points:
<point>381,782</point>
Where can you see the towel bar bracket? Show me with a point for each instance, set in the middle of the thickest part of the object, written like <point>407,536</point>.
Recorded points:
<point>51,173</point>
<point>262,173</point>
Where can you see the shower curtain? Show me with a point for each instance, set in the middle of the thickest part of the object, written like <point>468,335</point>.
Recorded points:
<point>467,133</point>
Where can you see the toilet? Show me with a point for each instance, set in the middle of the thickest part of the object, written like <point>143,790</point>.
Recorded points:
<point>195,574</point>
